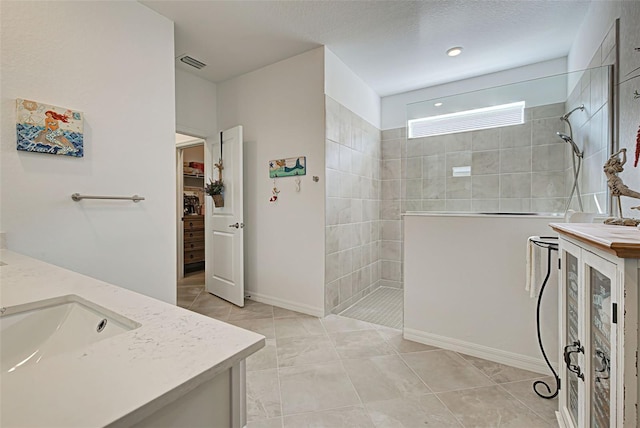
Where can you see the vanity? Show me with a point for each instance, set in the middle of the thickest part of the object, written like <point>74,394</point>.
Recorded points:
<point>598,295</point>
<point>78,352</point>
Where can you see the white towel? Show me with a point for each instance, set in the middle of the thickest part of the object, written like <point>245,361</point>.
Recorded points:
<point>534,271</point>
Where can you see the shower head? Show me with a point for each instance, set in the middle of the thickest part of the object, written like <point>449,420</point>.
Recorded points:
<point>566,115</point>
<point>569,140</point>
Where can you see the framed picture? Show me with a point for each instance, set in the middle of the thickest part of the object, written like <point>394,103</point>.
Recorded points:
<point>44,128</point>
<point>290,167</point>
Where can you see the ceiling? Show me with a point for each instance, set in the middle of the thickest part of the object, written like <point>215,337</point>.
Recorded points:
<point>394,46</point>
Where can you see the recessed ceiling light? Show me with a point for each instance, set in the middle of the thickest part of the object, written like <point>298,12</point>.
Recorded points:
<point>437,104</point>
<point>454,51</point>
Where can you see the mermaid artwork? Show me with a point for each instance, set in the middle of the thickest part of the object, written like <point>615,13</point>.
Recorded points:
<point>53,136</point>
<point>612,168</point>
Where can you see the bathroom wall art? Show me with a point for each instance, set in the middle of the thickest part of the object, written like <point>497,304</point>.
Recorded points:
<point>289,167</point>
<point>49,129</point>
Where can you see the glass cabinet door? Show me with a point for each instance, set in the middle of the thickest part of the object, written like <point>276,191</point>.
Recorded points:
<point>600,281</point>
<point>572,335</point>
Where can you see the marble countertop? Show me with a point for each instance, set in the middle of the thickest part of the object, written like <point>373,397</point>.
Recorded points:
<point>118,380</point>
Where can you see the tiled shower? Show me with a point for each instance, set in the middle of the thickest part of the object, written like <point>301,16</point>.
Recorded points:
<point>374,176</point>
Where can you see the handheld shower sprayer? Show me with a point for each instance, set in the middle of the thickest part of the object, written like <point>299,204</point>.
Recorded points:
<point>574,146</point>
<point>577,154</point>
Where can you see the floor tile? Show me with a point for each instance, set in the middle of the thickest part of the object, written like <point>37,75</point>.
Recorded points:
<point>266,423</point>
<point>265,358</point>
<point>316,387</point>
<point>445,370</point>
<point>543,407</point>
<point>411,412</point>
<point>383,378</point>
<point>298,327</point>
<point>194,278</point>
<point>490,406</point>
<point>403,346</point>
<point>296,351</point>
<point>336,323</point>
<point>263,326</point>
<point>263,395</point>
<point>218,312</point>
<point>346,417</point>
<point>286,313</point>
<point>251,310</point>
<point>207,300</point>
<point>500,373</point>
<point>360,344</point>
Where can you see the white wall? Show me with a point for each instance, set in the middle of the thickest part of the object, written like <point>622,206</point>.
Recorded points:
<point>394,107</point>
<point>600,17</point>
<point>464,287</point>
<point>114,62</point>
<point>195,105</point>
<point>344,86</point>
<point>281,109</point>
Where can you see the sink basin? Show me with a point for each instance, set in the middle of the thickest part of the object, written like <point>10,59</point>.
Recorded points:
<point>36,331</point>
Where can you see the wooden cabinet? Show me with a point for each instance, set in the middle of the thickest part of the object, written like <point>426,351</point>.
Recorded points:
<point>598,325</point>
<point>193,239</point>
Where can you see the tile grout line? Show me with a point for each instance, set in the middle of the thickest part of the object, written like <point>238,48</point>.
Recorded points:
<point>523,403</point>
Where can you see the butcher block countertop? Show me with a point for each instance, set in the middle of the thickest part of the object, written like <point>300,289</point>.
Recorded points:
<point>623,241</point>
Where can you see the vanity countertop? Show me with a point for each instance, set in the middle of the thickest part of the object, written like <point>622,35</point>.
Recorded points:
<point>120,380</point>
<point>623,241</point>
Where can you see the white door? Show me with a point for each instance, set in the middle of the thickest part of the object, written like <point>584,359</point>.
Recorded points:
<point>224,247</point>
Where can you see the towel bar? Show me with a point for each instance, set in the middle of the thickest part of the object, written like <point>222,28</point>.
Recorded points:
<point>135,198</point>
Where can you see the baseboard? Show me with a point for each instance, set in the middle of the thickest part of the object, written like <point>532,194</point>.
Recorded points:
<point>286,304</point>
<point>480,351</point>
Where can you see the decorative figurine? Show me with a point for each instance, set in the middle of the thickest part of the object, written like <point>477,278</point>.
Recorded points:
<point>612,168</point>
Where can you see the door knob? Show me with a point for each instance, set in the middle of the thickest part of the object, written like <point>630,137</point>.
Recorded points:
<point>237,225</point>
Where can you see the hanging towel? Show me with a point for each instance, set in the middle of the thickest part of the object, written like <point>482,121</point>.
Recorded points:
<point>533,269</point>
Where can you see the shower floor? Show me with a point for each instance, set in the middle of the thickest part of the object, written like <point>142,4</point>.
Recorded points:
<point>383,307</point>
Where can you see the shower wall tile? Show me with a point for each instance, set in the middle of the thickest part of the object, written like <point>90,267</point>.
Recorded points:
<point>390,210</point>
<point>548,205</point>
<point>412,189</point>
<point>549,157</point>
<point>433,145</point>
<point>485,205</point>
<point>434,188</point>
<point>485,162</point>
<point>411,205</point>
<point>458,188</point>
<point>547,111</point>
<point>352,234</point>
<point>548,185</point>
<point>391,230</point>
<point>516,205</point>
<point>458,205</point>
<point>487,139</point>
<point>515,136</point>
<point>485,187</point>
<point>391,190</point>
<point>392,149</point>
<point>515,185</point>
<point>544,130</point>
<point>413,168</point>
<point>515,159</point>
<point>457,142</point>
<point>391,250</point>
<point>457,159</point>
<point>391,270</point>
<point>393,134</point>
<point>414,148</point>
<point>434,205</point>
<point>433,166</point>
<point>391,169</point>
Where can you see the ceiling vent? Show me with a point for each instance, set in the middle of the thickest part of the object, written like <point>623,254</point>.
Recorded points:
<point>192,62</point>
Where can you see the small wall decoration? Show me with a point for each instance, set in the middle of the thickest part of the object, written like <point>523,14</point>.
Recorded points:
<point>49,129</point>
<point>289,167</point>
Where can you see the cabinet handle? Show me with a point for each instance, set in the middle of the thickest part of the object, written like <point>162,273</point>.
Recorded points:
<point>606,366</point>
<point>191,235</point>
<point>190,224</point>
<point>573,368</point>
<point>192,245</point>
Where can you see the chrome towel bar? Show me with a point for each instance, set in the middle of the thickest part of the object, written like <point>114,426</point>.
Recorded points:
<point>135,198</point>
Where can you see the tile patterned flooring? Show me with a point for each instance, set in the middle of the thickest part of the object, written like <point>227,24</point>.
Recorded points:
<point>341,372</point>
<point>384,306</point>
